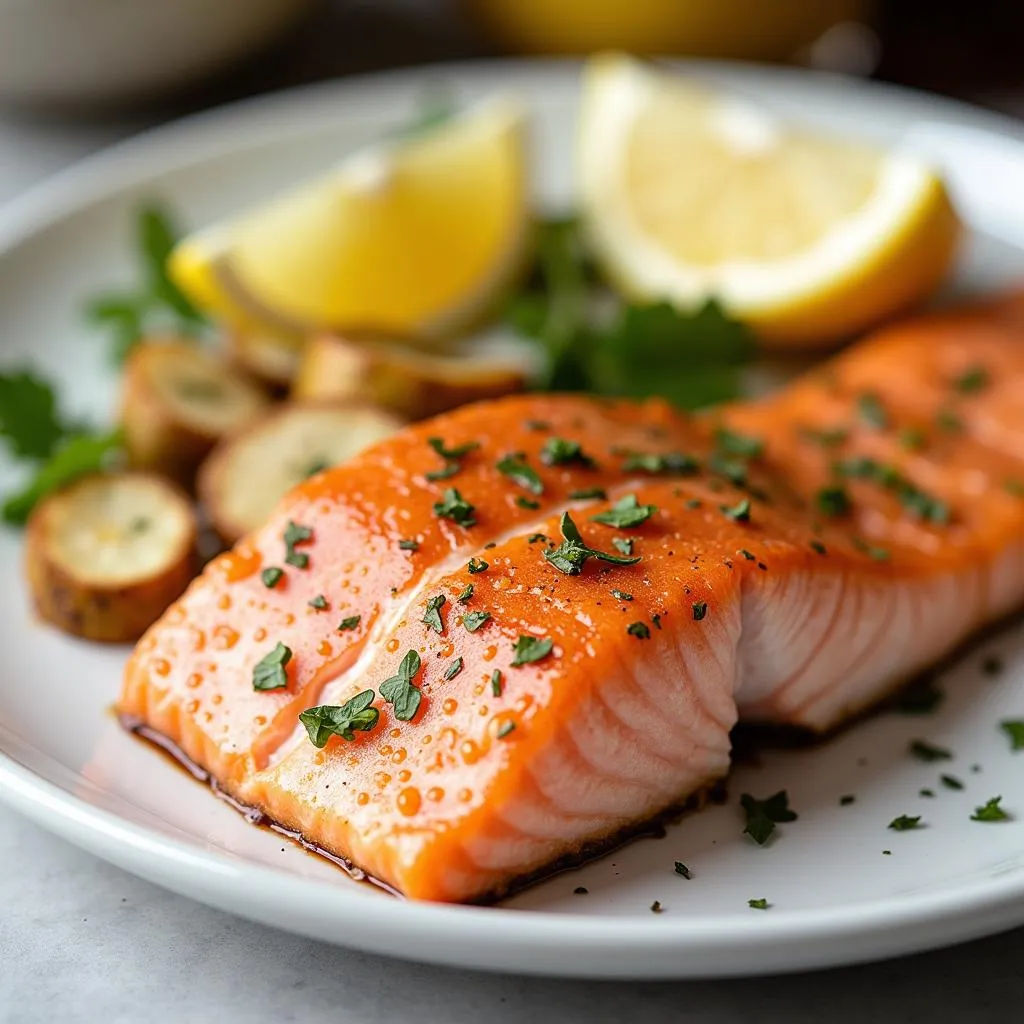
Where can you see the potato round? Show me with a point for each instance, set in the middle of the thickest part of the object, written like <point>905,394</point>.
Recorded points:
<point>247,474</point>
<point>177,401</point>
<point>105,556</point>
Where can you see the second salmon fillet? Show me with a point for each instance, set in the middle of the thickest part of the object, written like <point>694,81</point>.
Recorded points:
<point>520,631</point>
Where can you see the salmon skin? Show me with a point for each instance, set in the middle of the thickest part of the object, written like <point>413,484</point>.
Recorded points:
<point>527,627</point>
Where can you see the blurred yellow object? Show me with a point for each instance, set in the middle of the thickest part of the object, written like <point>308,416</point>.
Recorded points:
<point>741,29</point>
<point>687,193</point>
<point>416,237</point>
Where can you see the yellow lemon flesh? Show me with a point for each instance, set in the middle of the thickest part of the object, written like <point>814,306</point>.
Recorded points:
<point>416,237</point>
<point>687,193</point>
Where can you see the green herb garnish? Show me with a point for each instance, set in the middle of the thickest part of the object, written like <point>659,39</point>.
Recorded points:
<point>700,609</point>
<point>971,381</point>
<point>271,576</point>
<point>833,501</point>
<point>515,468</point>
<point>623,544</point>
<point>432,616</point>
<point>559,452</point>
<point>739,513</point>
<point>627,512</point>
<point>349,623</point>
<point>476,565</point>
<point>399,691</point>
<point>319,602</point>
<point>877,554</point>
<point>621,595</point>
<point>269,673</point>
<point>817,547</point>
<point>905,822</point>
<point>409,545</point>
<point>571,555</point>
<point>731,443</point>
<point>325,721</point>
<point>912,439</point>
<point>474,620</point>
<point>990,811</point>
<point>529,649</point>
<point>467,593</point>
<point>667,463</point>
<point>640,630</point>
<point>951,782</point>
<point>1014,729</point>
<point>295,534</point>
<point>764,815</point>
<point>920,698</point>
<point>949,421</point>
<point>454,507</point>
<point>871,411</point>
<point>452,454</point>
<point>588,494</point>
<point>761,904</point>
<point>453,669</point>
<point>527,503</point>
<point>496,683</point>
<point>925,751</point>
<point>828,438</point>
<point>505,729</point>
<point>682,869</point>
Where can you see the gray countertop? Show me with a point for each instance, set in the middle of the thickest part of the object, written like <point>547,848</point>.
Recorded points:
<point>82,941</point>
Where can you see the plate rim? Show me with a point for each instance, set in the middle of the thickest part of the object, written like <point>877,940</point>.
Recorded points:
<point>910,922</point>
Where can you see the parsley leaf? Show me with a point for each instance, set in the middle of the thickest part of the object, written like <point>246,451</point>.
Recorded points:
<point>271,576</point>
<point>496,683</point>
<point>467,593</point>
<point>408,545</point>
<point>1014,729</point>
<point>559,452</point>
<point>669,463</point>
<point>453,669</point>
<point>529,649</point>
<point>746,446</point>
<point>350,623</point>
<point>432,616</point>
<point>625,513</point>
<point>739,513</point>
<point>621,595</point>
<point>928,752</point>
<point>904,823</point>
<point>328,720</point>
<point>951,782</point>
<point>524,502</point>
<point>30,422</point>
<point>452,454</point>
<point>764,815</point>
<point>700,609</point>
<point>515,468</point>
<point>833,501</point>
<point>682,869</point>
<point>589,493</point>
<point>399,692</point>
<point>640,630</point>
<point>972,380</point>
<point>623,544</point>
<point>77,456</point>
<point>269,673</point>
<point>476,565</point>
<point>571,555</point>
<point>991,811</point>
<point>760,904</point>
<point>319,602</point>
<point>474,620</point>
<point>454,507</point>
<point>295,534</point>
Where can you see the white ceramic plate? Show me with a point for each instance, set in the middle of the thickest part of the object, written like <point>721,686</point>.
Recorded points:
<point>835,896</point>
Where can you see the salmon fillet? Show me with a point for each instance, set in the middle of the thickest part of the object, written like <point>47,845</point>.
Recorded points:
<point>525,628</point>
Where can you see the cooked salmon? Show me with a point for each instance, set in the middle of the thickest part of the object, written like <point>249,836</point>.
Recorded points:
<point>519,631</point>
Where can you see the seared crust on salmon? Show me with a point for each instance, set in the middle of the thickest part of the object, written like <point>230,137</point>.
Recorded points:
<point>492,685</point>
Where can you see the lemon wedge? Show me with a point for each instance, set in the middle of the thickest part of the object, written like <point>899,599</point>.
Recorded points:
<point>415,236</point>
<point>687,194</point>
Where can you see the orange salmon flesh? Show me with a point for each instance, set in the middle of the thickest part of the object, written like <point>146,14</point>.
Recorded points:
<point>798,558</point>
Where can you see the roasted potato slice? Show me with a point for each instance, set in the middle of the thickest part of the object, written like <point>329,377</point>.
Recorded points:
<point>245,475</point>
<point>413,384</point>
<point>105,556</point>
<point>273,359</point>
<point>177,401</point>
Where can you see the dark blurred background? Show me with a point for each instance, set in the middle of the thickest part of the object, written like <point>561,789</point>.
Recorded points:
<point>971,51</point>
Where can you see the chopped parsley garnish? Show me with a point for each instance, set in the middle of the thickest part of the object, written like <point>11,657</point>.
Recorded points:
<point>761,904</point>
<point>905,822</point>
<point>926,792</point>
<point>452,454</point>
<point>589,493</point>
<point>656,619</point>
<point>764,815</point>
<point>467,593</point>
<point>446,472</point>
<point>454,507</point>
<point>739,513</point>
<point>432,616</point>
<point>350,623</point>
<point>924,751</point>
<point>911,439</point>
<point>476,565</point>
<point>734,470</point>
<point>325,721</point>
<point>559,452</point>
<point>948,421</point>
<point>833,501</point>
<point>399,691</point>
<point>571,555</point>
<point>453,669</point>
<point>951,782</point>
<point>623,544</point>
<point>625,513</point>
<point>700,609</point>
<point>746,446</point>
<point>496,683</point>
<point>505,729</point>
<point>694,503</point>
<point>319,602</point>
<point>672,463</point>
<point>294,535</point>
<point>529,649</point>
<point>920,698</point>
<point>515,468</point>
<point>873,552</point>
<point>846,800</point>
<point>621,595</point>
<point>409,545</point>
<point>971,381</point>
<point>818,547</point>
<point>828,438</point>
<point>526,502</point>
<point>271,576</point>
<point>990,811</point>
<point>871,411</point>
<point>534,537</point>
<point>268,673</point>
<point>474,620</point>
<point>1014,729</point>
<point>640,630</point>
<point>682,869</point>
<point>914,500</point>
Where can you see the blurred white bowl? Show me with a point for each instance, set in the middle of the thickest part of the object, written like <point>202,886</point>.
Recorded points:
<point>102,51</point>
